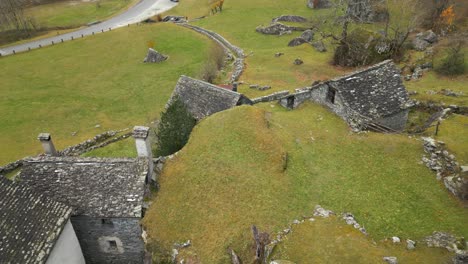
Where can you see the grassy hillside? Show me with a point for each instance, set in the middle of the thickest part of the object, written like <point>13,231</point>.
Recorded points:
<point>102,80</point>
<point>230,176</point>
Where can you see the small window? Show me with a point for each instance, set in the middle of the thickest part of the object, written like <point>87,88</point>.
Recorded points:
<point>331,95</point>
<point>106,221</point>
<point>112,245</point>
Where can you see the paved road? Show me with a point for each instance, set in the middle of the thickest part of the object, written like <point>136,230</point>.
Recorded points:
<point>141,11</point>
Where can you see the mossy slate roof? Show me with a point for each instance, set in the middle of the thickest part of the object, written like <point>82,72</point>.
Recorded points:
<point>96,187</point>
<point>203,99</point>
<point>375,92</point>
<point>30,223</point>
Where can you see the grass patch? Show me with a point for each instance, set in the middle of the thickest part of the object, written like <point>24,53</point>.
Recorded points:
<point>96,80</point>
<point>453,131</point>
<point>123,148</point>
<point>75,13</point>
<point>332,241</point>
<point>230,176</point>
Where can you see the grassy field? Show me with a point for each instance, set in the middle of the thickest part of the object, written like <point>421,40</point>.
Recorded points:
<point>75,13</point>
<point>332,241</point>
<point>74,86</point>
<point>230,176</point>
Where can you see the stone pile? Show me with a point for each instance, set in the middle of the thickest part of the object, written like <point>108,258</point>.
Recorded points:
<point>278,29</point>
<point>154,57</point>
<point>445,240</point>
<point>350,220</point>
<point>289,18</point>
<point>446,167</point>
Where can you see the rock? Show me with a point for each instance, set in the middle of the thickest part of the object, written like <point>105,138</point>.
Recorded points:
<point>280,261</point>
<point>263,88</point>
<point>298,61</point>
<point>360,10</point>
<point>289,18</point>
<point>253,86</point>
<point>410,244</point>
<point>296,222</point>
<point>174,19</point>
<point>278,29</point>
<point>461,257</point>
<point>154,56</point>
<point>279,54</point>
<point>296,42</point>
<point>319,211</point>
<point>319,46</point>
<point>429,36</point>
<point>396,239</point>
<point>308,35</point>
<point>441,240</point>
<point>418,73</point>
<point>420,44</point>
<point>464,168</point>
<point>319,4</point>
<point>97,126</point>
<point>390,260</point>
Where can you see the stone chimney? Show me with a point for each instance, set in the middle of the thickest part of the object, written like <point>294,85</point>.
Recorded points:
<point>234,86</point>
<point>143,146</point>
<point>47,144</point>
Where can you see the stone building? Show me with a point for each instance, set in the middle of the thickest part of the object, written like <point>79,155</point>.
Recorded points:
<point>203,99</point>
<point>104,195</point>
<point>34,228</point>
<point>373,98</point>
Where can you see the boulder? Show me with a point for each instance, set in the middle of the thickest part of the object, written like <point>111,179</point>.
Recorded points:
<point>290,18</point>
<point>395,239</point>
<point>154,56</point>
<point>360,10</point>
<point>319,4</point>
<point>319,211</point>
<point>296,42</point>
<point>308,35</point>
<point>420,44</point>
<point>410,244</point>
<point>424,40</point>
<point>429,36</point>
<point>461,257</point>
<point>298,61</point>
<point>319,46</point>
<point>278,29</point>
<point>390,260</point>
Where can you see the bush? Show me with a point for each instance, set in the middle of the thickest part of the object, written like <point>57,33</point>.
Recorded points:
<point>174,128</point>
<point>216,63</point>
<point>454,61</point>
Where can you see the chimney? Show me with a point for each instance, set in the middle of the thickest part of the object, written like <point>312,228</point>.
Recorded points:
<point>47,144</point>
<point>234,86</point>
<point>143,146</point>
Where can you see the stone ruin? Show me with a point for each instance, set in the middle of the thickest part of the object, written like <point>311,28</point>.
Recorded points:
<point>154,57</point>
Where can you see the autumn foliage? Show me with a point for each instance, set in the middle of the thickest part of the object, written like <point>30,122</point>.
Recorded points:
<point>217,6</point>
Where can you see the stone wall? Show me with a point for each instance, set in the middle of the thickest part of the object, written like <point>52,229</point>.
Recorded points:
<point>271,97</point>
<point>227,46</point>
<point>110,240</point>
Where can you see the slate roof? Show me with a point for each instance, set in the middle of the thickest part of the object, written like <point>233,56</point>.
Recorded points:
<point>94,187</point>
<point>374,92</point>
<point>30,223</point>
<point>203,99</point>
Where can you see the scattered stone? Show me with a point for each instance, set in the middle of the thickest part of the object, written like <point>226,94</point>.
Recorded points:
<point>312,219</point>
<point>442,240</point>
<point>74,133</point>
<point>319,46</point>
<point>429,36</point>
<point>298,61</point>
<point>396,239</point>
<point>417,73</point>
<point>448,92</point>
<point>408,77</point>
<point>154,56</point>
<point>278,29</point>
<point>280,261</point>
<point>350,220</point>
<point>289,18</point>
<point>420,44</point>
<point>461,257</point>
<point>279,54</point>
<point>253,86</point>
<point>234,258</point>
<point>183,245</point>
<point>390,260</point>
<point>410,244</point>
<point>308,35</point>
<point>296,42</point>
<point>319,211</point>
<point>263,88</point>
<point>464,168</point>
<point>174,19</point>
<point>97,126</point>
<point>424,40</point>
<point>174,255</point>
<point>412,92</point>
<point>319,4</point>
<point>296,222</point>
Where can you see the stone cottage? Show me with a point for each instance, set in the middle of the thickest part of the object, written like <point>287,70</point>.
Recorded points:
<point>106,196</point>
<point>373,98</point>
<point>203,99</point>
<point>34,228</point>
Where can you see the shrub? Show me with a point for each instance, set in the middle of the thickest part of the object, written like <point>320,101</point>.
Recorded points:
<point>216,63</point>
<point>454,61</point>
<point>174,128</point>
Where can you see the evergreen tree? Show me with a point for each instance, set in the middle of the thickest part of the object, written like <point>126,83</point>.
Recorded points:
<point>174,128</point>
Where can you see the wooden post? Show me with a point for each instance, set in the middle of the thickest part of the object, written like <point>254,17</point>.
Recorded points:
<point>437,128</point>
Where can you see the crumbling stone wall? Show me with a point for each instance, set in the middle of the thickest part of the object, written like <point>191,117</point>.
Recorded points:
<point>95,236</point>
<point>271,97</point>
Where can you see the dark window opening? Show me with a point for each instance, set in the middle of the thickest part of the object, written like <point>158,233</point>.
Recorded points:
<point>290,102</point>
<point>331,95</point>
<point>106,221</point>
<point>112,244</point>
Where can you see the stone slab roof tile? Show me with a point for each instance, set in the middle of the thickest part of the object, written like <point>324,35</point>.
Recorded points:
<point>94,187</point>
<point>203,99</point>
<point>30,223</point>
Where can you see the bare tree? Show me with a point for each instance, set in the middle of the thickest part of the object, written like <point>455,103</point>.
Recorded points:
<point>12,16</point>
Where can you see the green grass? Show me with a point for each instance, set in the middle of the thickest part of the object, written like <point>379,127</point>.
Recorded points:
<point>453,131</point>
<point>230,176</point>
<point>75,13</point>
<point>332,241</point>
<point>96,80</point>
<point>123,148</point>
